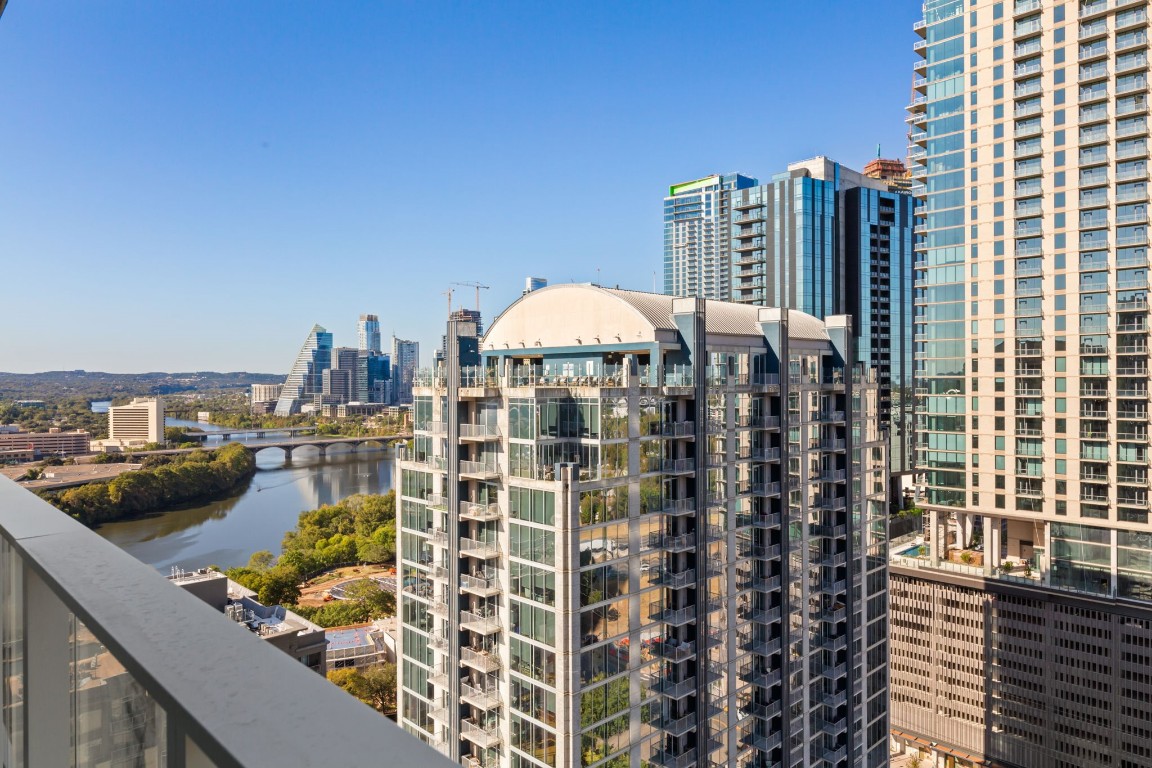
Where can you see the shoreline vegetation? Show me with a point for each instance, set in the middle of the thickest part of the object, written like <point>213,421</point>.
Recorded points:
<point>162,481</point>
<point>360,529</point>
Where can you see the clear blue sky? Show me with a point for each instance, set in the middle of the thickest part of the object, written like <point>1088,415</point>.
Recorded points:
<point>282,164</point>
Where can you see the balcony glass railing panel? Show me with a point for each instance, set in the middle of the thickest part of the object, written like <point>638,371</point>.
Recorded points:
<point>132,724</point>
<point>12,637</point>
<point>96,673</point>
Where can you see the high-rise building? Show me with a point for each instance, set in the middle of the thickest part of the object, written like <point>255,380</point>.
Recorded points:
<point>696,228</point>
<point>142,420</point>
<point>892,172</point>
<point>534,284</point>
<point>266,392</point>
<point>264,397</point>
<point>827,240</point>
<point>305,380</point>
<point>471,328</point>
<point>1021,615</point>
<point>133,425</point>
<point>372,377</point>
<point>405,359</point>
<point>368,334</point>
<point>355,376</point>
<point>646,531</point>
<point>338,384</point>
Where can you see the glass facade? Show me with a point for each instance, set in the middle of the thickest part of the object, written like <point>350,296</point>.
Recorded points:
<point>940,332</point>
<point>827,240</point>
<point>695,230</point>
<point>306,378</point>
<point>1031,283</point>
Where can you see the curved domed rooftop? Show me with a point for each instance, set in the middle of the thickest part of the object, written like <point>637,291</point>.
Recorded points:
<point>575,314</point>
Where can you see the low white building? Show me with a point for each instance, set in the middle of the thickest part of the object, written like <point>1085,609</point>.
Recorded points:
<point>361,645</point>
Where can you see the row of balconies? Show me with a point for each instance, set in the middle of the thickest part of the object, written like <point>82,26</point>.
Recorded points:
<point>1090,8</point>
<point>1099,48</point>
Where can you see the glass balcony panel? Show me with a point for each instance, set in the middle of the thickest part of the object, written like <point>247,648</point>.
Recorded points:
<point>115,721</point>
<point>86,666</point>
<point>12,637</point>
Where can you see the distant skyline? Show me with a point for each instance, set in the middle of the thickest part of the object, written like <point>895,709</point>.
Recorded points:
<point>192,187</point>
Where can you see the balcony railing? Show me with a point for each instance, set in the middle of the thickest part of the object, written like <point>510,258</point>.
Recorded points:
<point>479,431</point>
<point>470,510</point>
<point>481,469</point>
<point>192,680</point>
<point>481,549</point>
<point>486,697</point>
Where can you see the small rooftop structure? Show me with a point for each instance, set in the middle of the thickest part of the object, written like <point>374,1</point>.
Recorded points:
<point>292,633</point>
<point>361,645</point>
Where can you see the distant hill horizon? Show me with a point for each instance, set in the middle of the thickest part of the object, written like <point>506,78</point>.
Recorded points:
<point>82,372</point>
<point>100,385</point>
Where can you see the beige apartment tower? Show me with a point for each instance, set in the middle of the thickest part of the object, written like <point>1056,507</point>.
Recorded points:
<point>1022,610</point>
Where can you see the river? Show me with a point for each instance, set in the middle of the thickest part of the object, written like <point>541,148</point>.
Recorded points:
<point>226,532</point>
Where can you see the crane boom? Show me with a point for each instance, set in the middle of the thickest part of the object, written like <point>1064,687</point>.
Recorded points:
<point>477,286</point>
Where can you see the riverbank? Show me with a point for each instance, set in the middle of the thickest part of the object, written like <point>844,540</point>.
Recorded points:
<point>228,530</point>
<point>161,482</point>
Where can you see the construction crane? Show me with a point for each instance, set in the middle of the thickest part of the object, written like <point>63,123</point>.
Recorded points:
<point>477,286</point>
<point>448,293</point>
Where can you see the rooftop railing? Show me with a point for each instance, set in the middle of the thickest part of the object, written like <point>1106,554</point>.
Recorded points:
<point>88,631</point>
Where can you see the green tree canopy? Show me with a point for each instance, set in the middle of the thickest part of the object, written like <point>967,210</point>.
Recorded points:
<point>161,482</point>
<point>375,686</point>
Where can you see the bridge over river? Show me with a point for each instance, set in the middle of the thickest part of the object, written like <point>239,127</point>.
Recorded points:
<point>225,433</point>
<point>322,444</point>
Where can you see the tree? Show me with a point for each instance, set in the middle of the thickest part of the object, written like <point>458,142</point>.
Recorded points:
<point>380,687</point>
<point>179,435</point>
<point>246,577</point>
<point>375,686</point>
<point>361,528</point>
<point>338,613</point>
<point>160,482</point>
<point>347,678</point>
<point>280,586</point>
<point>378,602</point>
<point>262,560</point>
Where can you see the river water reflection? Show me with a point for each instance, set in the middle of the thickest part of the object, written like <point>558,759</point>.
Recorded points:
<point>228,531</point>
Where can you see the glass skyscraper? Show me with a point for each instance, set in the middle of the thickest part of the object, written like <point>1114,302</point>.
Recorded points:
<point>405,359</point>
<point>823,239</point>
<point>305,380</point>
<point>696,261</point>
<point>828,240</point>
<point>368,334</point>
